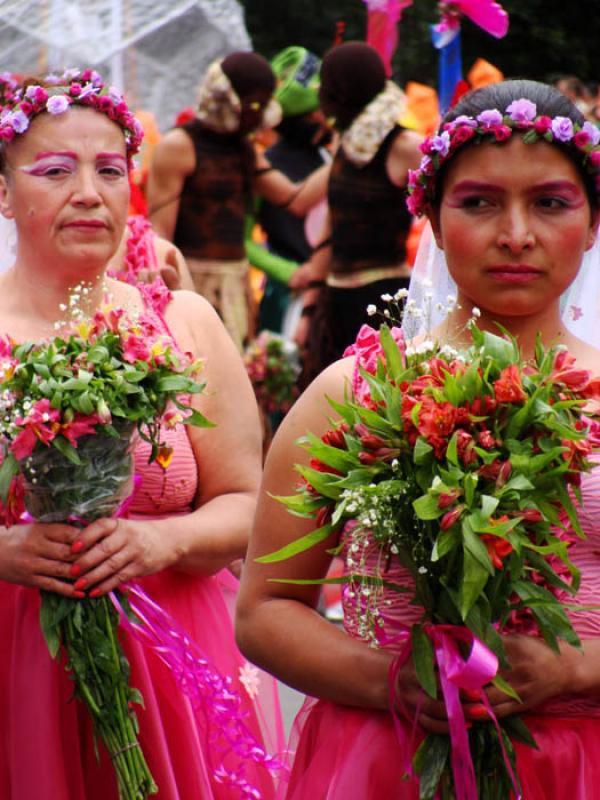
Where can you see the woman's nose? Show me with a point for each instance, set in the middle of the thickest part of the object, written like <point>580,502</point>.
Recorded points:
<point>516,233</point>
<point>86,188</point>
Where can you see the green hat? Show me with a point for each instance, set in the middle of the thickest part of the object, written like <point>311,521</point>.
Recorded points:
<point>297,73</point>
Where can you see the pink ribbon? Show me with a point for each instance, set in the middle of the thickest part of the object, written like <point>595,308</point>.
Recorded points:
<point>487,14</point>
<point>455,673</point>
<point>210,693</point>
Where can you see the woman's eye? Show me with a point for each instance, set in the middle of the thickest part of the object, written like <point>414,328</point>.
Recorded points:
<point>475,201</point>
<point>112,172</point>
<point>552,202</point>
<point>54,171</point>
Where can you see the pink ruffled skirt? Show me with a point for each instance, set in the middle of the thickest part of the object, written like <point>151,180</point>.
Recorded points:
<point>46,741</point>
<point>345,753</point>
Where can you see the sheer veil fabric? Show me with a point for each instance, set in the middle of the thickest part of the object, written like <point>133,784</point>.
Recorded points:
<point>8,243</point>
<point>431,286</point>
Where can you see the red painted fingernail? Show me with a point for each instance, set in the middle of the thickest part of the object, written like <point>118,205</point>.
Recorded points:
<point>74,570</point>
<point>81,584</point>
<point>79,595</point>
<point>77,546</point>
<point>471,694</point>
<point>478,711</point>
<point>95,593</point>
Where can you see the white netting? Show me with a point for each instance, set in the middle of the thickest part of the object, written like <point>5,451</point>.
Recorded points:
<point>157,50</point>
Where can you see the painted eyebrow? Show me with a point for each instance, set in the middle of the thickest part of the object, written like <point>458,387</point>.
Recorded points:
<point>50,153</point>
<point>558,186</point>
<point>478,186</point>
<point>111,157</point>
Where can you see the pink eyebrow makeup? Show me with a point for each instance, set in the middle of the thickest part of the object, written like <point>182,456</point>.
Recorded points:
<point>44,160</point>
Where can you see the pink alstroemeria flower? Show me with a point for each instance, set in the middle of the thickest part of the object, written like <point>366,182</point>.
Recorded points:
<point>564,371</point>
<point>40,424</point>
<point>135,349</point>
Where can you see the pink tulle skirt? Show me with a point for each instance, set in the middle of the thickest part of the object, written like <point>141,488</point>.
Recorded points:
<point>46,741</point>
<point>345,753</point>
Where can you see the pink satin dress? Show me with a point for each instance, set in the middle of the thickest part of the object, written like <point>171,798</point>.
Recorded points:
<point>342,752</point>
<point>46,742</point>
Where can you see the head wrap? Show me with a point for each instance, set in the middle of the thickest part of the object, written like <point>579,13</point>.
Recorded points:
<point>297,73</point>
<point>229,82</point>
<point>352,74</point>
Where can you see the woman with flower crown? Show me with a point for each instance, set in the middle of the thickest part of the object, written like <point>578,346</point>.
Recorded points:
<point>511,187</point>
<point>65,144</point>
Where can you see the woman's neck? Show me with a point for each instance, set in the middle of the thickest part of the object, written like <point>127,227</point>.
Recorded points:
<point>49,297</point>
<point>546,323</point>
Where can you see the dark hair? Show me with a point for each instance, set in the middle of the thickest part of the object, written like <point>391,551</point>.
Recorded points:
<point>549,102</point>
<point>352,74</point>
<point>248,72</point>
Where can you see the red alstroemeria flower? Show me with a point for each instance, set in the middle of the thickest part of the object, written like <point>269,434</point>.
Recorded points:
<point>508,387</point>
<point>436,419</point>
<point>80,425</point>
<point>497,547</point>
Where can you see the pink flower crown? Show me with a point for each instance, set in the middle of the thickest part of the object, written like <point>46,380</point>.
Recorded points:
<point>73,87</point>
<point>521,116</point>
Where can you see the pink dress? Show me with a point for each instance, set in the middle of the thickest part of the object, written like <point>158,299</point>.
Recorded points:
<point>46,741</point>
<point>343,752</point>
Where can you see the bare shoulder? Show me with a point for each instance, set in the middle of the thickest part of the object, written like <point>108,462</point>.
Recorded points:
<point>404,154</point>
<point>312,411</point>
<point>191,316</point>
<point>175,150</point>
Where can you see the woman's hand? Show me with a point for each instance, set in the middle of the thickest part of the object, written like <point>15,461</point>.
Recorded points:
<point>111,556</point>
<point>536,673</point>
<point>412,701</point>
<point>41,555</point>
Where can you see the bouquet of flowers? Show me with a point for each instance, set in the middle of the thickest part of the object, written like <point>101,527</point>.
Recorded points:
<point>273,368</point>
<point>465,467</point>
<point>69,407</point>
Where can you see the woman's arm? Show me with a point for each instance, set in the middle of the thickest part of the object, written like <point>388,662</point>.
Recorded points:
<point>228,458</point>
<point>278,189</point>
<point>277,625</point>
<point>173,160</point>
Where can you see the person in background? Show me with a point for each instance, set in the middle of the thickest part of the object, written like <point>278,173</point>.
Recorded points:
<point>362,251</point>
<point>299,150</point>
<point>204,175</point>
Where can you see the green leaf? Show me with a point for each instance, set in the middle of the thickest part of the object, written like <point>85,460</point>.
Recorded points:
<point>515,727</point>
<point>505,687</point>
<point>426,507</point>
<point>8,469</point>
<point>475,577</point>
<point>430,761</point>
<point>297,546</point>
<point>173,383</point>
<point>423,658</point>
<point>422,451</point>
<point>198,420</point>
<point>67,449</point>
<point>452,450</point>
<point>393,356</point>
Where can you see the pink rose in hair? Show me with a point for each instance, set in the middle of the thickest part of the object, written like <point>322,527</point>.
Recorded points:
<point>461,134</point>
<point>57,104</point>
<point>581,139</point>
<point>502,132</point>
<point>542,125</point>
<point>593,131</point>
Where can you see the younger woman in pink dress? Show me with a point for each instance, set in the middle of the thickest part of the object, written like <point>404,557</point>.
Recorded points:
<point>514,220</point>
<point>63,179</point>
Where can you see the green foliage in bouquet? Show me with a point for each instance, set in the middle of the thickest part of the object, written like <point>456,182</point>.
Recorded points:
<point>464,466</point>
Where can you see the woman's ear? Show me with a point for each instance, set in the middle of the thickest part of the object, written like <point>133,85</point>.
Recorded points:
<point>593,231</point>
<point>5,204</point>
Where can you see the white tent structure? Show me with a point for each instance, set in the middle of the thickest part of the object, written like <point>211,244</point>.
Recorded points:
<point>156,50</point>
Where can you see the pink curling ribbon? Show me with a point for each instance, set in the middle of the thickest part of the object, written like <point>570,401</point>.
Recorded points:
<point>209,692</point>
<point>487,14</point>
<point>472,673</point>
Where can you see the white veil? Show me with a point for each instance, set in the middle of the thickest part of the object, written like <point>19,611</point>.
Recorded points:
<point>8,243</point>
<point>431,286</point>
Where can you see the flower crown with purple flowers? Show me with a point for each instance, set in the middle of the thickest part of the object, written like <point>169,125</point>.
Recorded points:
<point>59,93</point>
<point>520,116</point>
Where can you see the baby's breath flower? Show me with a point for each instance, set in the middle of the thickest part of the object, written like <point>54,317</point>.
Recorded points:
<point>371,310</point>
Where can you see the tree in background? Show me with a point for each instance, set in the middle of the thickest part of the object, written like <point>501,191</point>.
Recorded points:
<point>546,38</point>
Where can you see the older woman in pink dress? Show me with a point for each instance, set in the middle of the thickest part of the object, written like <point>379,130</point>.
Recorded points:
<point>63,179</point>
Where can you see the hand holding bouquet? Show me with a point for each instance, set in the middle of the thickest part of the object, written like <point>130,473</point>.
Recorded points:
<point>464,467</point>
<point>69,407</point>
